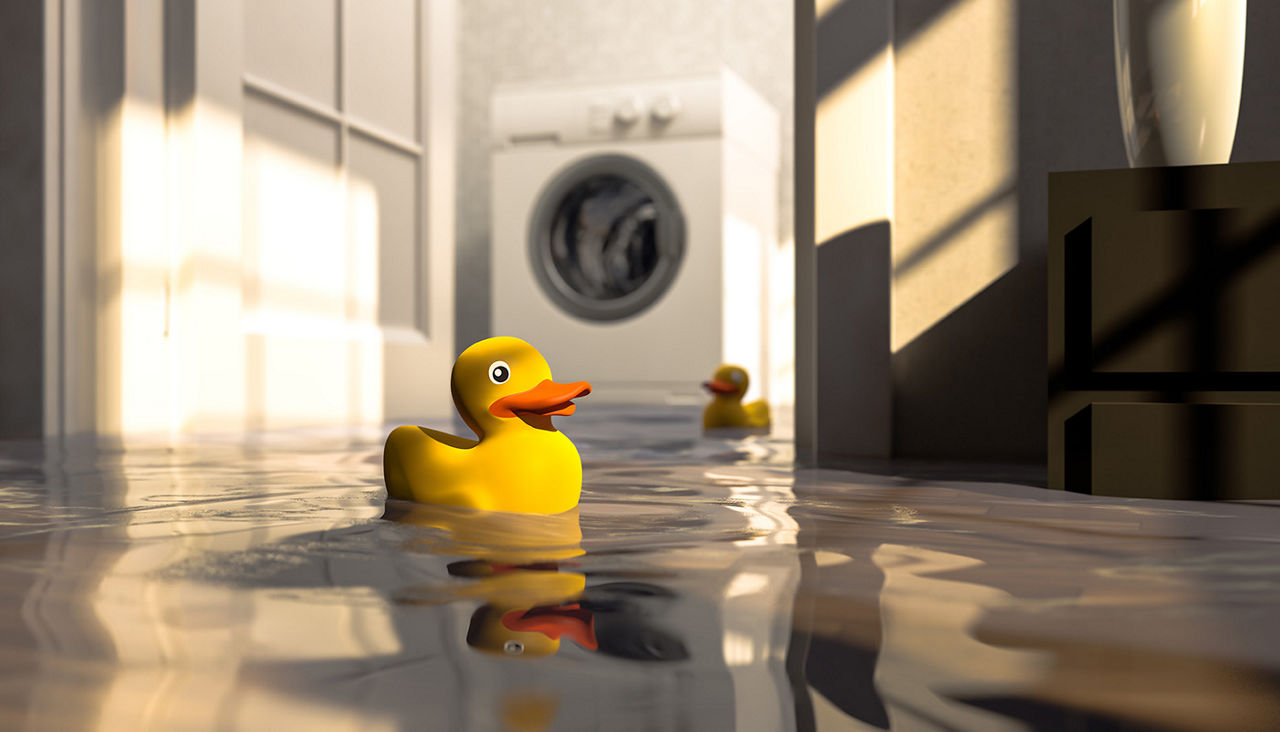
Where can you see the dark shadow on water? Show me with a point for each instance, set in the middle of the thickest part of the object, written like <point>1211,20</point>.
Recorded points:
<point>1050,717</point>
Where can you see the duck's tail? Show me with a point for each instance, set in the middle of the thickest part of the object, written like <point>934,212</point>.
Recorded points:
<point>757,413</point>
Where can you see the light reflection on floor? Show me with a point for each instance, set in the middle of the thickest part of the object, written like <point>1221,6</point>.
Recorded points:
<point>704,584</point>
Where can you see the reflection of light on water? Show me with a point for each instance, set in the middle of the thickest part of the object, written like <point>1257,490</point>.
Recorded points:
<point>182,643</point>
<point>746,583</point>
<point>906,515</point>
<point>239,590</point>
<point>739,649</point>
<point>830,559</point>
<point>766,511</point>
<point>755,603</point>
<point>928,653</point>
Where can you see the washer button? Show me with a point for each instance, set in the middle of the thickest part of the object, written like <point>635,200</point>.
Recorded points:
<point>627,112</point>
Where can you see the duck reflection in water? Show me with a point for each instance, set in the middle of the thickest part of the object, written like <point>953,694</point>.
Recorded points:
<point>521,566</point>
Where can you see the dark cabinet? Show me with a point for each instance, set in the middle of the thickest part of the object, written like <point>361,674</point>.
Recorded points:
<point>1164,332</point>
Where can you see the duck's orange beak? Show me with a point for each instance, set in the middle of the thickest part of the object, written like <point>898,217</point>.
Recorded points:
<point>554,621</point>
<point>547,398</point>
<point>715,386</point>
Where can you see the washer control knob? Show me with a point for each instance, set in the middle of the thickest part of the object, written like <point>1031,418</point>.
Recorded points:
<point>627,112</point>
<point>665,108</point>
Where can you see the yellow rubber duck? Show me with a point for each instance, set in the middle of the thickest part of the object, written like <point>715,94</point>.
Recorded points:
<point>728,384</point>
<point>518,462</point>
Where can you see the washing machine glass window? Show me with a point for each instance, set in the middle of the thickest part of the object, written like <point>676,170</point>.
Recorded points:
<point>607,238</point>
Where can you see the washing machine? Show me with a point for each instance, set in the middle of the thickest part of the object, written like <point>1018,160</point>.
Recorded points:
<point>631,225</point>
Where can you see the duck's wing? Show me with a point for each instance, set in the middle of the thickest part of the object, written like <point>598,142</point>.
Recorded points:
<point>462,443</point>
<point>417,461</point>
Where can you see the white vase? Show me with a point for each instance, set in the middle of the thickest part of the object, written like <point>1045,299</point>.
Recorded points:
<point>1179,64</point>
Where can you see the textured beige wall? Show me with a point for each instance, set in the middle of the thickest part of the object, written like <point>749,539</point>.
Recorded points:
<point>853,127</point>
<point>989,97</point>
<point>955,124</point>
<point>573,40</point>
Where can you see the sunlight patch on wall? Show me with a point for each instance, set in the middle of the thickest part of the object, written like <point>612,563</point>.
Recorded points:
<point>744,300</point>
<point>824,6</point>
<point>781,325</point>
<point>205,245</point>
<point>956,127</point>
<point>853,174</point>
<point>364,355</point>
<point>134,280</point>
<point>294,229</point>
<point>234,255</point>
<point>314,352</point>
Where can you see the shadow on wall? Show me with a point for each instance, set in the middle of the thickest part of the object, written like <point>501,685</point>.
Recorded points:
<point>853,342</point>
<point>974,384</point>
<point>21,208</point>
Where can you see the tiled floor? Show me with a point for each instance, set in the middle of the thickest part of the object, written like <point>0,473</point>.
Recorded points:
<point>704,584</point>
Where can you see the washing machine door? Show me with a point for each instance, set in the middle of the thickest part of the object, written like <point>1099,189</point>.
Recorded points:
<point>607,238</point>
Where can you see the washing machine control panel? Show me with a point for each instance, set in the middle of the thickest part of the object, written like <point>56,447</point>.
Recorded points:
<point>665,108</point>
<point>605,116</point>
<point>627,112</point>
<point>681,107</point>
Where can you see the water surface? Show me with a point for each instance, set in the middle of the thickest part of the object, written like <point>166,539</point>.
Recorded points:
<point>703,584</point>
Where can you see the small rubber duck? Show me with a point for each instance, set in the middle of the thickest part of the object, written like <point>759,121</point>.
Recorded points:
<point>728,384</point>
<point>518,462</point>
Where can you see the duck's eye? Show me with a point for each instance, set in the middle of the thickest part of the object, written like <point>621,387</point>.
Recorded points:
<point>499,372</point>
<point>513,648</point>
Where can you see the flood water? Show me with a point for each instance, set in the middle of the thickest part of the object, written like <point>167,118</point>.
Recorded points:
<point>703,584</point>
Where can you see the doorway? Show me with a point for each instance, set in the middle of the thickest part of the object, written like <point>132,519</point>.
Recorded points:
<point>257,226</point>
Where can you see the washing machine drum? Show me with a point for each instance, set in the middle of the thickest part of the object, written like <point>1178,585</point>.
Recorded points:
<point>607,238</point>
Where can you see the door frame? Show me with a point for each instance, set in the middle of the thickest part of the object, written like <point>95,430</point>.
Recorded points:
<point>135,93</point>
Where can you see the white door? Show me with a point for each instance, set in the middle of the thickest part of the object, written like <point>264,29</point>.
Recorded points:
<point>347,295</point>
<point>256,214</point>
